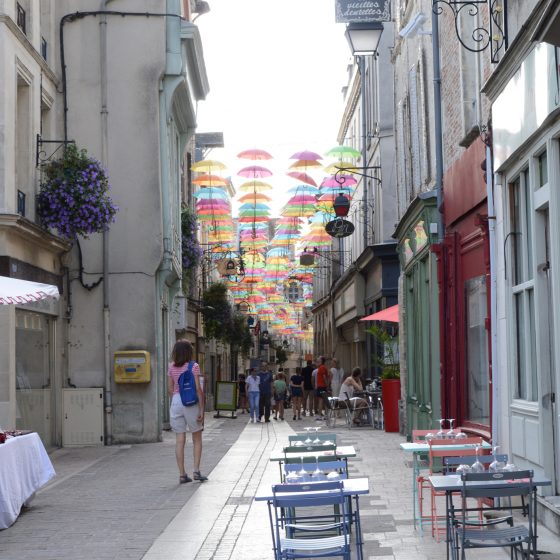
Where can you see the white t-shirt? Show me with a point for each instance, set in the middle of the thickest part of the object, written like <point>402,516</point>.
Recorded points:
<point>253,383</point>
<point>346,391</point>
<point>337,375</point>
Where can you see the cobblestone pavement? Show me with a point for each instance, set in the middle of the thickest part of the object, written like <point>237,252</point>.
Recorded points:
<point>124,502</point>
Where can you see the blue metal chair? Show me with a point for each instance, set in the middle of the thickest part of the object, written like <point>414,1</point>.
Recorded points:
<point>467,534</point>
<point>320,535</point>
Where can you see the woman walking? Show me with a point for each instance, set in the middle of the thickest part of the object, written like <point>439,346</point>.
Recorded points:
<point>186,418</point>
<point>279,388</point>
<point>253,391</point>
<point>296,387</point>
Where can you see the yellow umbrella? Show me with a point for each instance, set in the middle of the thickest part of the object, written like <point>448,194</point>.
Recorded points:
<point>255,186</point>
<point>303,164</point>
<point>341,165</point>
<point>207,166</point>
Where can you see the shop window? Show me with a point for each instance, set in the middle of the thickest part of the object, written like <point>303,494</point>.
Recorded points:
<point>478,391</point>
<point>524,368</point>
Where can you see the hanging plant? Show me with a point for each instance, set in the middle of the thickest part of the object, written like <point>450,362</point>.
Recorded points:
<point>191,252</point>
<point>73,197</point>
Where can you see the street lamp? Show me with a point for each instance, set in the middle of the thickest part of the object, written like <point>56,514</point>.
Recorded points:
<point>363,38</point>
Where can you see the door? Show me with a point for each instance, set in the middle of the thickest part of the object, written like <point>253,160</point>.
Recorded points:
<point>34,380</point>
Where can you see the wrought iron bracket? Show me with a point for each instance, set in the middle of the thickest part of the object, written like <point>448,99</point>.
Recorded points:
<point>41,156</point>
<point>344,171</point>
<point>481,37</point>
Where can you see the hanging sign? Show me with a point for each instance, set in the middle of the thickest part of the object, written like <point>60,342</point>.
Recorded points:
<point>350,11</point>
<point>339,228</point>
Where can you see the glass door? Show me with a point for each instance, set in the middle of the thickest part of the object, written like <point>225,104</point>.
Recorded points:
<point>34,391</point>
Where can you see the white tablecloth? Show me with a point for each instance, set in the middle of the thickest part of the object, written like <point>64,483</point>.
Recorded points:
<point>24,468</point>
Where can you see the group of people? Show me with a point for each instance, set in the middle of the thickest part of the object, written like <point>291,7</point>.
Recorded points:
<point>260,393</point>
<point>307,389</point>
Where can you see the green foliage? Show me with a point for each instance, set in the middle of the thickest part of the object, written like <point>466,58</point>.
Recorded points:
<point>217,312</point>
<point>221,323</point>
<point>191,252</point>
<point>240,335</point>
<point>389,361</point>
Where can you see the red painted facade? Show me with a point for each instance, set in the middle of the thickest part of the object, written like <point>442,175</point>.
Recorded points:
<point>464,276</point>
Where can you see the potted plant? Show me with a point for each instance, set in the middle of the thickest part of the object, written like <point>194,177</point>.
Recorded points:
<point>73,196</point>
<point>388,361</point>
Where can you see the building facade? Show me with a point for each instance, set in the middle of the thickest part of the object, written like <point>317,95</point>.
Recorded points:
<point>123,86</point>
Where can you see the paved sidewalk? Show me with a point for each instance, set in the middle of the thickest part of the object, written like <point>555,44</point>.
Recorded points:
<point>124,502</point>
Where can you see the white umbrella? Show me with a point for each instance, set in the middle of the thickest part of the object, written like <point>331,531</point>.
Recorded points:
<point>16,291</point>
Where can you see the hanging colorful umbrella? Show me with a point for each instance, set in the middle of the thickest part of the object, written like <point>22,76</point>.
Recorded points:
<point>210,181</point>
<point>304,189</point>
<point>305,154</point>
<point>255,186</point>
<point>342,167</point>
<point>339,181</point>
<point>213,193</point>
<point>342,152</point>
<point>254,154</point>
<point>303,177</point>
<point>305,164</point>
<point>255,172</point>
<point>207,166</point>
<point>255,197</point>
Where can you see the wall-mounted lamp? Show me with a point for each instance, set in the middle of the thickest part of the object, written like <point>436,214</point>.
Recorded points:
<point>363,37</point>
<point>341,206</point>
<point>200,8</point>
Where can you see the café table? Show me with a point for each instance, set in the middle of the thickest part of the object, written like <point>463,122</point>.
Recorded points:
<point>353,488</point>
<point>451,483</point>
<point>24,468</point>
<point>341,452</point>
<point>422,448</point>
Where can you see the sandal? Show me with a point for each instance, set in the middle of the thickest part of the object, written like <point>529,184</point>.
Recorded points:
<point>199,477</point>
<point>184,478</point>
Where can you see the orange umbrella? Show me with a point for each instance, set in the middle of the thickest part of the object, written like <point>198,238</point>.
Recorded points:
<point>305,164</point>
<point>255,197</point>
<point>210,180</point>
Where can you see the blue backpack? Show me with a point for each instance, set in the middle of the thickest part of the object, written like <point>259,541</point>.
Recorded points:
<point>187,387</point>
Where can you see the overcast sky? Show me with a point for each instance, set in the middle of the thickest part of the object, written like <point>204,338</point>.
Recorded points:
<point>276,70</point>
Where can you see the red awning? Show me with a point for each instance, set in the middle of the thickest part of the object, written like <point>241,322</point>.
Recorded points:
<point>391,315</point>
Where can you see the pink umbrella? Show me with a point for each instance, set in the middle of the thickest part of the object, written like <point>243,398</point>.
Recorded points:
<point>303,177</point>
<point>343,181</point>
<point>255,172</point>
<point>302,199</point>
<point>254,154</point>
<point>306,154</point>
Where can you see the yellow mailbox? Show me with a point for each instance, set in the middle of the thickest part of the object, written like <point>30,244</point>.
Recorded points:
<point>132,366</point>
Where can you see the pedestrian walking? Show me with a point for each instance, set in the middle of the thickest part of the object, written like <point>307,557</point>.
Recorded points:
<point>322,388</point>
<point>186,418</point>
<point>253,391</point>
<point>265,387</point>
<point>296,389</point>
<point>279,388</point>
<point>242,391</point>
<point>308,389</point>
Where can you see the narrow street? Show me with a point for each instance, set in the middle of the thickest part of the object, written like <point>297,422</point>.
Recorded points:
<point>124,502</point>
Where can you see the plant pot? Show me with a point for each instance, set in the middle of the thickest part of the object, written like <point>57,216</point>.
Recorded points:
<point>391,394</point>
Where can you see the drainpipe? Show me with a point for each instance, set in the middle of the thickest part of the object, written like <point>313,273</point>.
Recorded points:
<point>493,302</point>
<point>437,123</point>
<point>105,160</point>
<point>362,66</point>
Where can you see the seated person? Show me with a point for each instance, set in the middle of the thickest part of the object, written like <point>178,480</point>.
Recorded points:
<point>349,385</point>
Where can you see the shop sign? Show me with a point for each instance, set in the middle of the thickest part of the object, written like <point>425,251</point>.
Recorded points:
<point>339,228</point>
<point>350,11</point>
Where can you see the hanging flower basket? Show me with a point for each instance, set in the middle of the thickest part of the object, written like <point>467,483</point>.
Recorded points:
<point>73,197</point>
<point>191,252</point>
